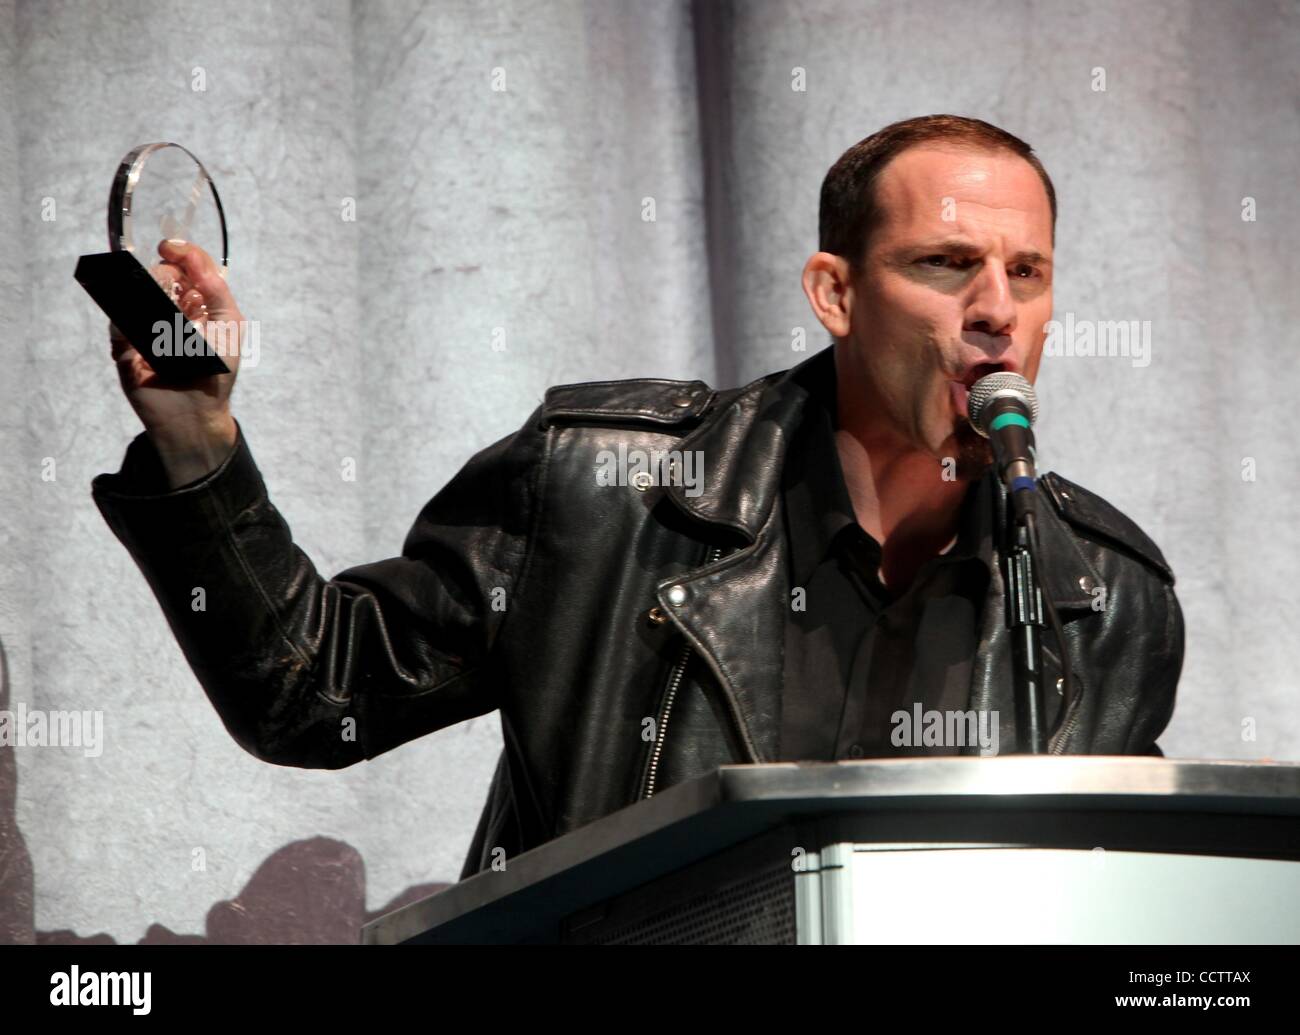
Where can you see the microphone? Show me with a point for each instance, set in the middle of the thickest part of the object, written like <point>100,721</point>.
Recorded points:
<point>1003,408</point>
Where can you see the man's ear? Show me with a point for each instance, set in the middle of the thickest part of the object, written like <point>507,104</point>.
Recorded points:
<point>828,284</point>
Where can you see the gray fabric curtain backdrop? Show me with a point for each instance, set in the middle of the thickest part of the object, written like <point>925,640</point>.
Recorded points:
<point>567,191</point>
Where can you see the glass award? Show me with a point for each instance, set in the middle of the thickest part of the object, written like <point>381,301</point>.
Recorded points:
<point>160,191</point>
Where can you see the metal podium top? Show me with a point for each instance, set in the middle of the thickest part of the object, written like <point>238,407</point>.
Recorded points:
<point>698,818</point>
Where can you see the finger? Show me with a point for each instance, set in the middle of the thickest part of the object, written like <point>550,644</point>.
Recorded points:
<point>201,271</point>
<point>172,279</point>
<point>117,340</point>
<point>129,374</point>
<point>193,304</point>
<point>128,359</point>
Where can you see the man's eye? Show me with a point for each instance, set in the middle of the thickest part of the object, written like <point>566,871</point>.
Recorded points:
<point>1025,271</point>
<point>936,260</point>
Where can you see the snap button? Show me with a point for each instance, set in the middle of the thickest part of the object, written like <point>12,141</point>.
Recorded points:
<point>1060,685</point>
<point>855,750</point>
<point>683,401</point>
<point>677,595</point>
<point>1085,583</point>
<point>642,480</point>
<point>657,616</point>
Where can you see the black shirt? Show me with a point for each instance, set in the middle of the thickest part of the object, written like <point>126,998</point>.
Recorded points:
<point>856,652</point>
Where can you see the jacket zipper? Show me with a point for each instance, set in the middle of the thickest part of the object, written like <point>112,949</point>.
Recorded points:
<point>1057,746</point>
<point>670,695</point>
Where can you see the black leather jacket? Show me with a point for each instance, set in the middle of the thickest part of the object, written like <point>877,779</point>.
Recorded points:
<point>631,637</point>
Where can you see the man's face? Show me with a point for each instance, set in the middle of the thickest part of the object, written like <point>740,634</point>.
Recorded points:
<point>956,281</point>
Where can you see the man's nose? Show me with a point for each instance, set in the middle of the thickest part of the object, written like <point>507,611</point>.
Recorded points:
<point>991,308</point>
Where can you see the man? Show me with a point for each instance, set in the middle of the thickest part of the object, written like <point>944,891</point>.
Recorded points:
<point>836,563</point>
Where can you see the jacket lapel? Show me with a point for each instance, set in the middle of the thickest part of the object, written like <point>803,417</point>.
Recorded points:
<point>1070,579</point>
<point>733,611</point>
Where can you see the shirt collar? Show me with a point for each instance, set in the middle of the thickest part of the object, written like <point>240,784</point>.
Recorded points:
<point>818,505</point>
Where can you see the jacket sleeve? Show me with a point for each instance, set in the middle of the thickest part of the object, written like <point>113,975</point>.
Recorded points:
<point>1161,683</point>
<point>323,674</point>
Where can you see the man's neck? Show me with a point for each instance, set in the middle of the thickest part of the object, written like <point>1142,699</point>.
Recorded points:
<point>899,495</point>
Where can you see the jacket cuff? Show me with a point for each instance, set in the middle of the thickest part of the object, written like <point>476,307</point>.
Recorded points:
<point>145,513</point>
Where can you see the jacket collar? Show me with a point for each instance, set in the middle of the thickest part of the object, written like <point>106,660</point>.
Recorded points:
<point>744,447</point>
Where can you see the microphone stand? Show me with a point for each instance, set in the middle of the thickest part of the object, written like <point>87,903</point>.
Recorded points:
<point>1025,618</point>
<point>1003,408</point>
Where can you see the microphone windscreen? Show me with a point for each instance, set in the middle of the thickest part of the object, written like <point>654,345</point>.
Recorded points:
<point>999,385</point>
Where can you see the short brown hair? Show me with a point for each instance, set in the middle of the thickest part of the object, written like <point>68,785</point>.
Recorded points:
<point>848,212</point>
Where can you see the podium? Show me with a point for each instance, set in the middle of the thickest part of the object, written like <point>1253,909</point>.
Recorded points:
<point>966,850</point>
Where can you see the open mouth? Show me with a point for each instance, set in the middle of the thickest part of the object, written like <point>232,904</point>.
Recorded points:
<point>960,390</point>
<point>978,371</point>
